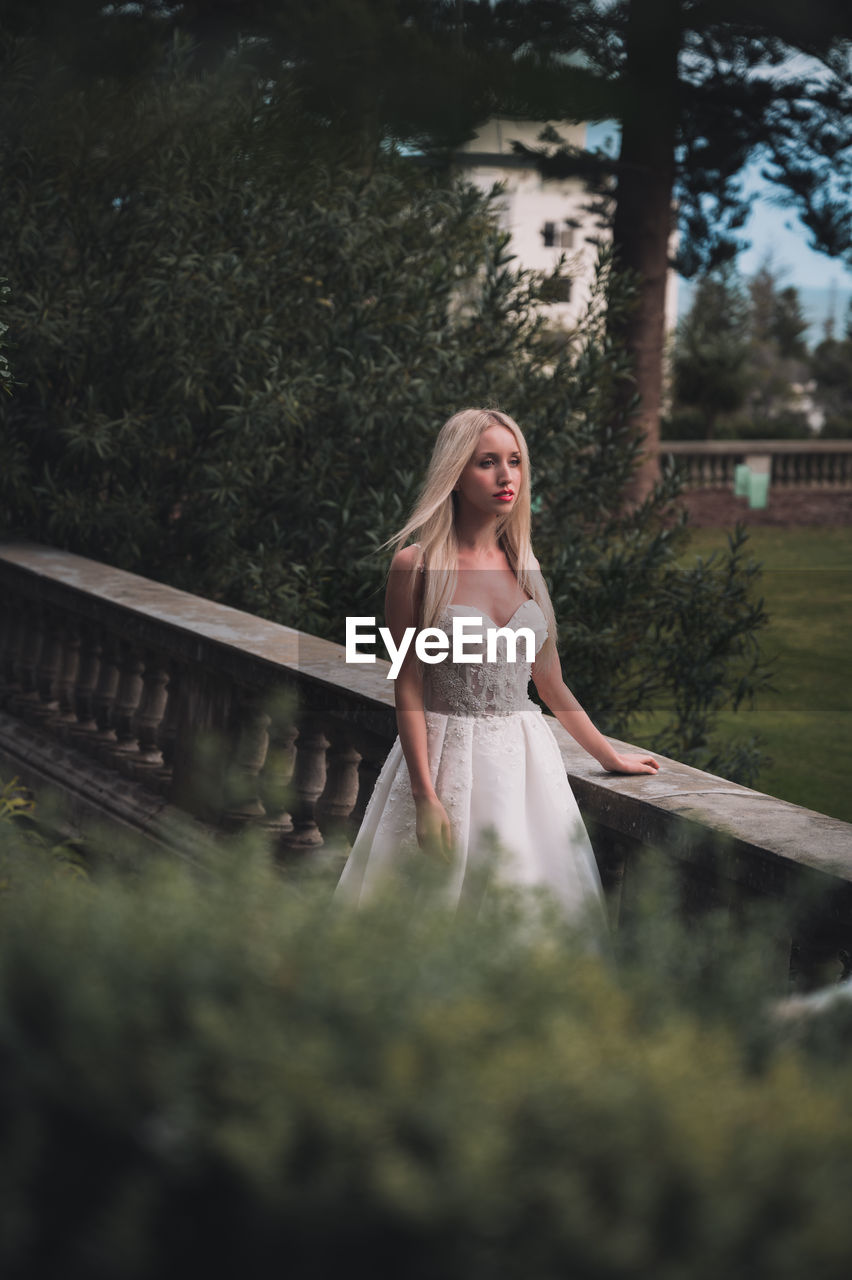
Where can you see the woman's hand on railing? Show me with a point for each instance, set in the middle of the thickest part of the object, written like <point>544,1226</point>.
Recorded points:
<point>632,764</point>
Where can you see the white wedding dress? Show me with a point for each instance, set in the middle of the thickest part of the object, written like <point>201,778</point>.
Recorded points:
<point>498,772</point>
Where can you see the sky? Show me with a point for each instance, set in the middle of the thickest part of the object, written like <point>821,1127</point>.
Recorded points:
<point>824,283</point>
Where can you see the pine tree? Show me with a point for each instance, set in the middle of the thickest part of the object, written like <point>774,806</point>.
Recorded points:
<point>739,356</point>
<point>710,366</point>
<point>831,370</point>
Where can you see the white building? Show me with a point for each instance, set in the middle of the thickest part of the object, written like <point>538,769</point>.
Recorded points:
<point>546,217</point>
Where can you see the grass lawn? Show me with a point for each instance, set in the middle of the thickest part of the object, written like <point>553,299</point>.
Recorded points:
<point>806,724</point>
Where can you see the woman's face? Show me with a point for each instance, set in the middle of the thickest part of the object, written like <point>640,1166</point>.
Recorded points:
<point>492,476</point>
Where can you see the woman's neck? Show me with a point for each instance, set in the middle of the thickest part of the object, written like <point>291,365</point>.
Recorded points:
<point>477,537</point>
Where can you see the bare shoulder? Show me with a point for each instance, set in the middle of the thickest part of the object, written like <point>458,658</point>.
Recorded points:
<point>404,590</point>
<point>407,559</point>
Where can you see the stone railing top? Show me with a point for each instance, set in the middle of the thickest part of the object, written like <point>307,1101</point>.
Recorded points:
<point>710,447</point>
<point>750,822</point>
<point>187,625</point>
<point>758,830</point>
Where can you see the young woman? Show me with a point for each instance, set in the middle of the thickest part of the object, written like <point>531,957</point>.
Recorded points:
<point>475,777</point>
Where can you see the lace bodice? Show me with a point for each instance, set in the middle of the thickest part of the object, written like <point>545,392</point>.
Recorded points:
<point>488,688</point>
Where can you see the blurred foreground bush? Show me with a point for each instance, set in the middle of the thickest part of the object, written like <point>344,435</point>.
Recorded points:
<point>219,1074</point>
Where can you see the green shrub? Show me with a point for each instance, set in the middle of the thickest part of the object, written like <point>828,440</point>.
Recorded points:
<point>780,426</point>
<point>684,423</point>
<point>18,810</point>
<point>222,1075</point>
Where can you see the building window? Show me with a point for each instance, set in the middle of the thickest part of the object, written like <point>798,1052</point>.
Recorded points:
<point>558,235</point>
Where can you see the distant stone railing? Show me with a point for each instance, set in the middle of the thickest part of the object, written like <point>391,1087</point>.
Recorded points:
<point>810,464</point>
<point>159,710</point>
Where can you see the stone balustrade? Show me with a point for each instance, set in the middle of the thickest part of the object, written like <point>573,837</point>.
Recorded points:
<point>156,710</point>
<point>812,464</point>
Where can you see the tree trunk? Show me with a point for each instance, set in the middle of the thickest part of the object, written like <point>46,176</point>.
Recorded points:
<point>644,217</point>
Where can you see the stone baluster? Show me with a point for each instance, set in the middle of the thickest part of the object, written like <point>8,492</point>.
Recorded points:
<point>168,732</point>
<point>373,753</point>
<point>10,627</point>
<point>277,775</point>
<point>201,709</point>
<point>339,797</point>
<point>148,761</point>
<point>88,670</point>
<point>104,698</point>
<point>242,789</point>
<point>127,701</point>
<point>69,669</point>
<point>48,669</point>
<point>30,636</point>
<point>309,776</point>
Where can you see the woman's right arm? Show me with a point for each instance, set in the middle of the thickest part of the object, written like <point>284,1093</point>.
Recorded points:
<point>402,607</point>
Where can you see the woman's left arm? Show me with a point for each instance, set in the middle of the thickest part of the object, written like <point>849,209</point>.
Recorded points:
<point>561,701</point>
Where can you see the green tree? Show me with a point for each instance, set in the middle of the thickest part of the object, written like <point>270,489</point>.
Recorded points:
<point>831,370</point>
<point>777,355</point>
<point>740,359</point>
<point>711,372</point>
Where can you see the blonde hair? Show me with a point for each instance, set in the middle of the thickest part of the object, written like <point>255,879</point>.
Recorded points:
<point>432,522</point>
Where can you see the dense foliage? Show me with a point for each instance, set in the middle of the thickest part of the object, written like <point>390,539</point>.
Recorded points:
<point>740,363</point>
<point>217,1074</point>
<point>234,358</point>
<point>5,367</point>
<point>831,369</point>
